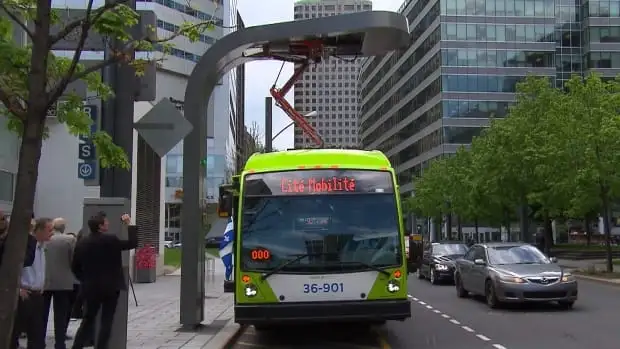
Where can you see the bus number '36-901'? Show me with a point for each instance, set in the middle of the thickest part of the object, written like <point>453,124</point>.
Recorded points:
<point>323,288</point>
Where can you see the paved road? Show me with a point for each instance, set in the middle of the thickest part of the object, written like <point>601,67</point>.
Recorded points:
<point>443,321</point>
<point>593,323</point>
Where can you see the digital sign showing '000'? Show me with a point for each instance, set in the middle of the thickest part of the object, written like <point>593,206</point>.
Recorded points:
<point>313,185</point>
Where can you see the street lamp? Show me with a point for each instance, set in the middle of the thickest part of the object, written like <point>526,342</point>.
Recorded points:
<point>309,115</point>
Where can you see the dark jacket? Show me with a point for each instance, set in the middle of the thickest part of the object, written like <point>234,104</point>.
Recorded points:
<point>98,262</point>
<point>31,248</point>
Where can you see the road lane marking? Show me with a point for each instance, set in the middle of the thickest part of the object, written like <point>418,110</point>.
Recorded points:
<point>454,321</point>
<point>468,329</point>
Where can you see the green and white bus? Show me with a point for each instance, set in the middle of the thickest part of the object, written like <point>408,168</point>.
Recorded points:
<point>318,238</point>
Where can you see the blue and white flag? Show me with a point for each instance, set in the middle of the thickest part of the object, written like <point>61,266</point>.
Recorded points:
<point>226,248</point>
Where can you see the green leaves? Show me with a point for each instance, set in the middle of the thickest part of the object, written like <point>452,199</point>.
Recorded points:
<point>559,149</point>
<point>113,21</point>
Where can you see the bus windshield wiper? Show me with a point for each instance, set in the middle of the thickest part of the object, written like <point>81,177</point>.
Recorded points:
<point>289,262</point>
<point>369,266</point>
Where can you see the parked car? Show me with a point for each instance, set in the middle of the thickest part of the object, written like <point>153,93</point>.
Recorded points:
<point>513,272</point>
<point>169,244</point>
<point>438,261</point>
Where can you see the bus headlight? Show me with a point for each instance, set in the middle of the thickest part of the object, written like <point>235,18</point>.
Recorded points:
<point>393,286</point>
<point>250,290</point>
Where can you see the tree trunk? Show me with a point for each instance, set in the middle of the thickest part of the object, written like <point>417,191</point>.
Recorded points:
<point>27,173</point>
<point>476,230</point>
<point>459,228</point>
<point>587,223</point>
<point>449,226</point>
<point>548,237</point>
<point>607,227</point>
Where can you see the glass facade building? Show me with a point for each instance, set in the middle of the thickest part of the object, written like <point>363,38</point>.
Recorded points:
<point>462,67</point>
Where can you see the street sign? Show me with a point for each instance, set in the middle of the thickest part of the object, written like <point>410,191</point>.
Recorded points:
<point>86,170</point>
<point>163,127</point>
<point>91,110</point>
<point>86,151</point>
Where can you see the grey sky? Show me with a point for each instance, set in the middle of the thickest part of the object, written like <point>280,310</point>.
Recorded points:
<point>261,75</point>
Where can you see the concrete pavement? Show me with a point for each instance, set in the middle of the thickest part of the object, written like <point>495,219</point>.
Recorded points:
<point>154,323</point>
<point>439,313</point>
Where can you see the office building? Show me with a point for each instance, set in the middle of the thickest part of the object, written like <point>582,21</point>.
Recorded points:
<point>329,88</point>
<point>227,106</point>
<point>462,67</point>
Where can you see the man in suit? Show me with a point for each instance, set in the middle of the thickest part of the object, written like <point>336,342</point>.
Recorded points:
<point>98,265</point>
<point>59,281</point>
<point>30,308</point>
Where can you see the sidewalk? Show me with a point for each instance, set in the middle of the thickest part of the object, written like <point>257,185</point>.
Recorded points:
<point>154,323</point>
<point>596,265</point>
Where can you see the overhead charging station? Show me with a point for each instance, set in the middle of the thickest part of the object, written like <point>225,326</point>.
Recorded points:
<point>303,43</point>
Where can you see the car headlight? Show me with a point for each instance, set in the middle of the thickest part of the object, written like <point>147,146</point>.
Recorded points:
<point>250,290</point>
<point>441,267</point>
<point>568,277</point>
<point>511,279</point>
<point>393,286</point>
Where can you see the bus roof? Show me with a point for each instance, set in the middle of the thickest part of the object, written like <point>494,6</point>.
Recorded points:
<point>293,159</point>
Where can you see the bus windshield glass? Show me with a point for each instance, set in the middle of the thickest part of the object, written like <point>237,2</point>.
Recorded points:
<point>329,220</point>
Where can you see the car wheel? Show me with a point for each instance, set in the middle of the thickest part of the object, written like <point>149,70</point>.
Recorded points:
<point>433,277</point>
<point>566,304</point>
<point>419,272</point>
<point>491,296</point>
<point>461,292</point>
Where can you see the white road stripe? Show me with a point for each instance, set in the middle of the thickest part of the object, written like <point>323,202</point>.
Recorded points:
<point>483,337</point>
<point>468,329</point>
<point>456,322</point>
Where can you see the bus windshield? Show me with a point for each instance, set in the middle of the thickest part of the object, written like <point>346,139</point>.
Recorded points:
<point>352,229</point>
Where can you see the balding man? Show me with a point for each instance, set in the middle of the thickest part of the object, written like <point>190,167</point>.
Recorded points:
<point>59,280</point>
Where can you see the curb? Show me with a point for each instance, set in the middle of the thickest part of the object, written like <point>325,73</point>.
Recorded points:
<point>597,280</point>
<point>226,337</point>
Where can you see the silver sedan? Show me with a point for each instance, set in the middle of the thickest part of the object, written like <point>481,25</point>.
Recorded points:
<point>513,273</point>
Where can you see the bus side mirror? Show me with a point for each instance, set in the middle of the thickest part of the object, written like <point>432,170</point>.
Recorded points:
<point>225,202</point>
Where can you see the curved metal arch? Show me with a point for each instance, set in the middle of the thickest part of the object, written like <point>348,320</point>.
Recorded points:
<point>362,34</point>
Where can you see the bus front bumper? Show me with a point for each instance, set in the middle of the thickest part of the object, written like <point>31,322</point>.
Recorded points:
<point>354,311</point>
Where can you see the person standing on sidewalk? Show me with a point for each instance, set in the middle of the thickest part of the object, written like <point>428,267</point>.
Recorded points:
<point>30,309</point>
<point>59,281</point>
<point>98,265</point>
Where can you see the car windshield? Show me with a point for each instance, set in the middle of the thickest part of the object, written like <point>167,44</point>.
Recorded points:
<point>524,254</point>
<point>330,232</point>
<point>450,249</point>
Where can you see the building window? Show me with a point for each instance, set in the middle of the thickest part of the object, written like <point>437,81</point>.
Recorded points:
<point>174,164</point>
<point>7,180</point>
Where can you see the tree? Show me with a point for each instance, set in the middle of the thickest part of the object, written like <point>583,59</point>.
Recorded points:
<point>32,80</point>
<point>593,105</point>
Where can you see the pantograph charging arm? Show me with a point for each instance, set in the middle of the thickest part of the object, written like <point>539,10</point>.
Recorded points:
<point>280,94</point>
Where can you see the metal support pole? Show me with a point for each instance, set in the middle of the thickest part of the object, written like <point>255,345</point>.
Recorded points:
<point>117,121</point>
<point>268,125</point>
